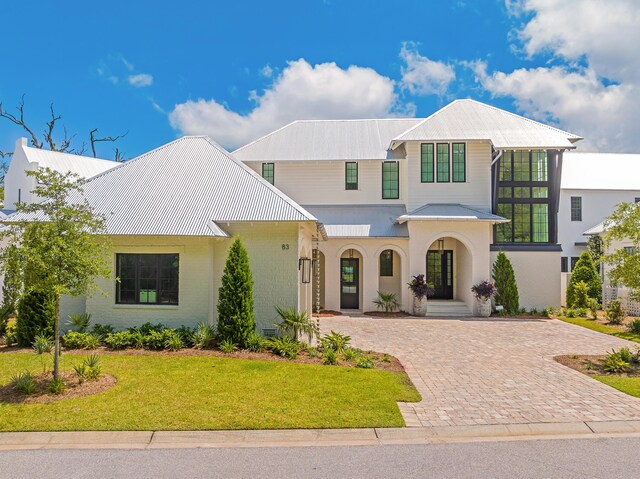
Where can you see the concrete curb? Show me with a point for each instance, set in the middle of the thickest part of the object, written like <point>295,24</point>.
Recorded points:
<point>313,437</point>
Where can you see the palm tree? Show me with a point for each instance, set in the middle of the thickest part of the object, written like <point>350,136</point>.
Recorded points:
<point>387,301</point>
<point>296,323</point>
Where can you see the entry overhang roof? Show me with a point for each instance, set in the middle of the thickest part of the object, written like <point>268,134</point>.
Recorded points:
<point>360,221</point>
<point>450,212</point>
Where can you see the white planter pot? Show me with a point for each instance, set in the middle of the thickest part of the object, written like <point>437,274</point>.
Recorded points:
<point>484,307</point>
<point>419,306</point>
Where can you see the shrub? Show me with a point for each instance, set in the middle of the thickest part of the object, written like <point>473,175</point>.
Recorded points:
<point>6,310</point>
<point>594,307</point>
<point>147,328</point>
<point>335,341</point>
<point>36,315</point>
<point>93,367</point>
<point>157,340</point>
<point>313,352</point>
<point>387,301</point>
<point>329,357</point>
<point>56,386</point>
<point>484,290</point>
<point>186,335</point>
<point>119,340</point>
<point>227,346</point>
<point>634,326</point>
<point>584,271</point>
<point>256,343</point>
<point>580,295</point>
<point>614,363</point>
<point>23,383</point>
<point>173,341</point>
<point>505,281</point>
<point>296,323</point>
<point>533,311</point>
<point>73,340</point>
<point>10,334</point>
<point>204,336</point>
<point>615,312</point>
<point>43,346</point>
<point>365,363</point>
<point>581,312</point>
<point>285,347</point>
<point>548,312</point>
<point>79,322</point>
<point>101,330</point>
<point>625,354</point>
<point>349,354</point>
<point>235,297</point>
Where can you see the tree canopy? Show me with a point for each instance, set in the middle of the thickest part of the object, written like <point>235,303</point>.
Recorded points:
<point>624,225</point>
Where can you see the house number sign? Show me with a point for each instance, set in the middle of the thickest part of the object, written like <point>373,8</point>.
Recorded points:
<point>285,246</point>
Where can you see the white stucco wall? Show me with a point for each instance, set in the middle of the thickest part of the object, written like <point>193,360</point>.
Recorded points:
<point>538,277</point>
<point>17,185</point>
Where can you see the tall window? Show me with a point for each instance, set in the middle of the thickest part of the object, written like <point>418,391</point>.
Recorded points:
<point>574,260</point>
<point>442,163</point>
<point>390,180</point>
<point>576,208</point>
<point>351,175</point>
<point>426,163</point>
<point>268,172</point>
<point>147,279</point>
<point>458,162</point>
<point>386,263</point>
<point>564,264</point>
<point>523,197</point>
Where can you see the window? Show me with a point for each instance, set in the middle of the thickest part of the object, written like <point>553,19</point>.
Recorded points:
<point>351,175</point>
<point>574,260</point>
<point>539,165</point>
<point>459,163</point>
<point>630,249</point>
<point>390,180</point>
<point>147,279</point>
<point>426,163</point>
<point>386,263</point>
<point>635,200</point>
<point>564,264</point>
<point>576,208</point>
<point>443,163</point>
<point>521,166</point>
<point>268,172</point>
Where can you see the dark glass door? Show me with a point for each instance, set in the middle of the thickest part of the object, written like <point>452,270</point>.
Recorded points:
<point>440,273</point>
<point>349,283</point>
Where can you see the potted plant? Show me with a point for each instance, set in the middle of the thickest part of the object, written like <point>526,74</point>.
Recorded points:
<point>483,292</point>
<point>421,290</point>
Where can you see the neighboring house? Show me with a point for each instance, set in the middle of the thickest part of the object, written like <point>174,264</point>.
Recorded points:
<point>438,196</point>
<point>19,186</point>
<point>171,215</point>
<point>593,184</point>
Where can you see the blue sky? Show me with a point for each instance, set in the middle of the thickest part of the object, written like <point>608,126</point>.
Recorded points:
<point>237,70</point>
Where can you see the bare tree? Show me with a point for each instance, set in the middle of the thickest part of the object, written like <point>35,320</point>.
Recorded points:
<point>49,141</point>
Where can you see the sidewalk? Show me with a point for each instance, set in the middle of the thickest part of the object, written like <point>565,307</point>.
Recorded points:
<point>313,437</point>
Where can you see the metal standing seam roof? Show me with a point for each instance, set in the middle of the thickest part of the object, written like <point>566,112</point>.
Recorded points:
<point>327,140</point>
<point>450,212</point>
<point>600,171</point>
<point>359,221</point>
<point>468,119</point>
<point>189,187</point>
<point>83,166</point>
<point>596,230</point>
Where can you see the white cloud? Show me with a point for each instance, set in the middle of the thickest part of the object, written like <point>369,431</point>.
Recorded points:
<point>266,71</point>
<point>140,80</point>
<point>592,87</point>
<point>300,91</point>
<point>423,76</point>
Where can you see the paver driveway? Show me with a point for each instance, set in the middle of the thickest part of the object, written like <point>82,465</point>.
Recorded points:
<point>486,371</point>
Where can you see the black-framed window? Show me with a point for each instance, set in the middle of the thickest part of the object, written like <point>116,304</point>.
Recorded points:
<point>523,197</point>
<point>351,175</point>
<point>426,163</point>
<point>442,163</point>
<point>390,180</point>
<point>564,264</point>
<point>458,162</point>
<point>574,260</point>
<point>147,278</point>
<point>576,208</point>
<point>268,172</point>
<point>386,263</point>
<point>636,199</point>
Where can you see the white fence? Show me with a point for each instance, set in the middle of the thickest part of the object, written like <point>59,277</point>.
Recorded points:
<point>631,308</point>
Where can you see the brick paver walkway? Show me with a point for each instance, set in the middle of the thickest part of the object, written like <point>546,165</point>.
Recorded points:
<point>480,371</point>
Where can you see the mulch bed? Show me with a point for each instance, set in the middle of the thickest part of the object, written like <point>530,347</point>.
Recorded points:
<point>327,313</point>
<point>593,365</point>
<point>73,389</point>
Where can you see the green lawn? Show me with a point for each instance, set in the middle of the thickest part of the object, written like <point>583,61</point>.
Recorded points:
<point>602,328</point>
<point>630,386</point>
<point>203,392</point>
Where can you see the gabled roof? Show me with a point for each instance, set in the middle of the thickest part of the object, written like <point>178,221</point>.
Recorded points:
<point>191,187</point>
<point>327,140</point>
<point>450,212</point>
<point>83,166</point>
<point>595,230</point>
<point>600,171</point>
<point>358,221</point>
<point>471,120</point>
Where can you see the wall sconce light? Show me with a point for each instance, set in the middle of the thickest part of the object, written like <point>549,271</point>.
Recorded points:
<point>304,266</point>
<point>441,246</point>
<point>351,253</point>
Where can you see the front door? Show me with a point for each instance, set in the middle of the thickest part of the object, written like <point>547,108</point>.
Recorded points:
<point>349,283</point>
<point>440,273</point>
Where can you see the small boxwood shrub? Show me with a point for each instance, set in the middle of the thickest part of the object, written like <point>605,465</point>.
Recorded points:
<point>36,315</point>
<point>615,312</point>
<point>634,326</point>
<point>74,340</point>
<point>120,340</point>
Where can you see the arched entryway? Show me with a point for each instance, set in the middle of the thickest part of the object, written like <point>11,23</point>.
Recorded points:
<point>449,268</point>
<point>351,268</point>
<point>390,273</point>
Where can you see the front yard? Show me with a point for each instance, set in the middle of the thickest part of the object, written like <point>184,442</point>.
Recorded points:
<point>167,392</point>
